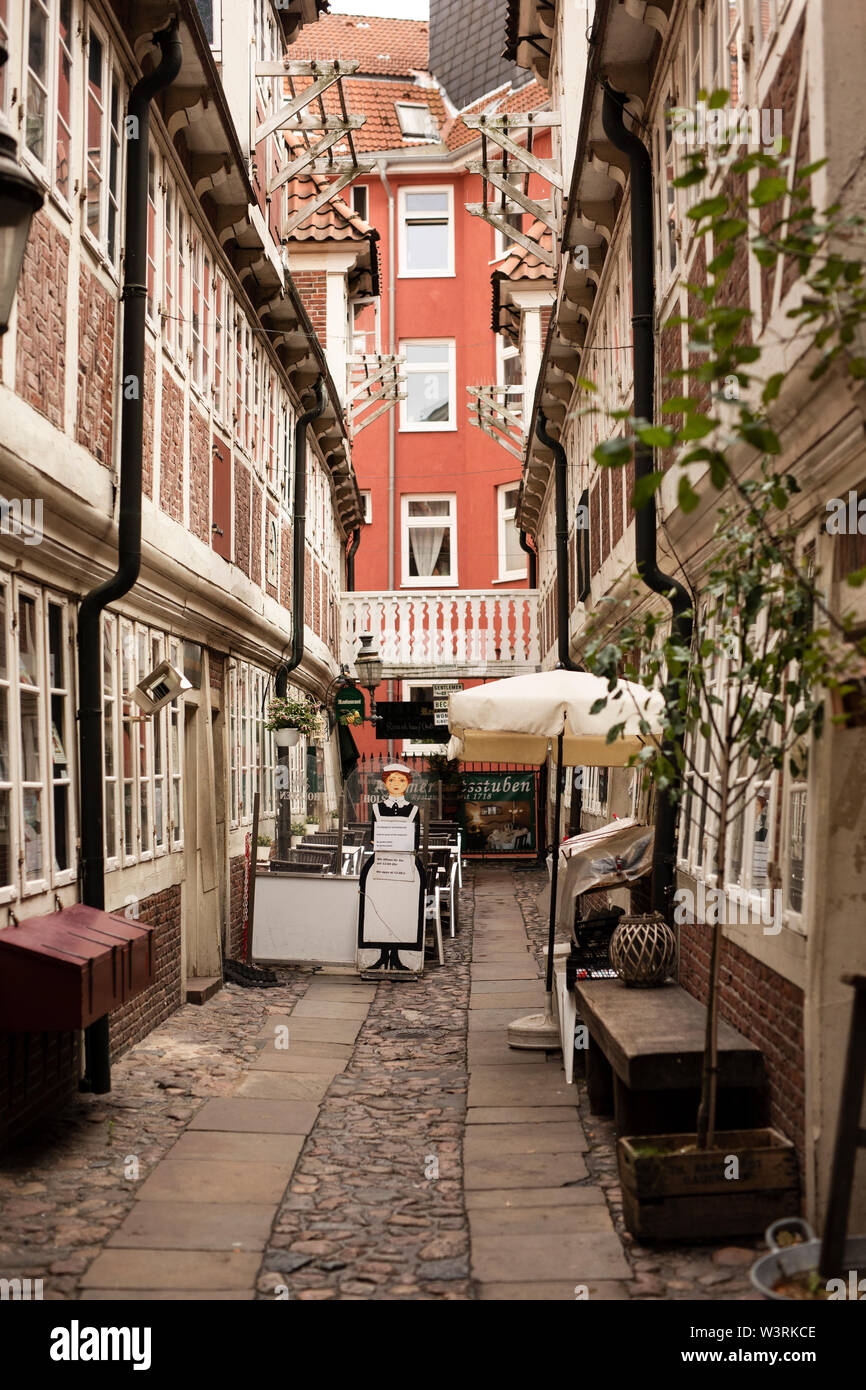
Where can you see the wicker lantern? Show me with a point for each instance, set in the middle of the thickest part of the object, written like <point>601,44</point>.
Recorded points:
<point>643,950</point>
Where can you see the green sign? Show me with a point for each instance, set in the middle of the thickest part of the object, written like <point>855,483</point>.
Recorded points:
<point>499,812</point>
<point>349,706</point>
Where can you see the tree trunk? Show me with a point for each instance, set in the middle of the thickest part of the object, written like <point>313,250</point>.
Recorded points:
<point>706,1125</point>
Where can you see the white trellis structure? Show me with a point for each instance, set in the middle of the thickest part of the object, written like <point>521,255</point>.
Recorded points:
<point>304,115</point>
<point>376,383</point>
<point>506,178</point>
<point>491,410</point>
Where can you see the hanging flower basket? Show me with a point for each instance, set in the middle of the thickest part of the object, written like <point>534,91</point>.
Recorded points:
<point>289,718</point>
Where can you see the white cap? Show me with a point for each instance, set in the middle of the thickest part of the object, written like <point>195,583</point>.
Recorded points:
<point>397,767</point>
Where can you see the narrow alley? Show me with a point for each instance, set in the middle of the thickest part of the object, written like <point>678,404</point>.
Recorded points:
<point>333,1139</point>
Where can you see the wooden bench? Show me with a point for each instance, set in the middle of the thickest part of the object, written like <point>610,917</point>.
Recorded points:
<point>643,1062</point>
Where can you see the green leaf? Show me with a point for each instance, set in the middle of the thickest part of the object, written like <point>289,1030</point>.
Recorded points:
<point>586,385</point>
<point>645,488</point>
<point>809,169</point>
<point>687,498</point>
<point>598,705</point>
<point>768,190</point>
<point>613,453</point>
<point>857,368</point>
<point>691,177</point>
<point>857,578</point>
<point>708,207</point>
<point>723,261</point>
<point>614,732</point>
<point>678,405</point>
<point>656,436</point>
<point>762,437</point>
<point>728,228</point>
<point>696,427</point>
<point>772,388</point>
<point>718,99</point>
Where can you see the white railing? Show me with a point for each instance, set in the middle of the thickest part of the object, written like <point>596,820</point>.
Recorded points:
<point>491,632</point>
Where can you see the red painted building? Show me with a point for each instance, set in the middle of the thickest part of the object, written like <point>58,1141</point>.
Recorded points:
<point>440,574</point>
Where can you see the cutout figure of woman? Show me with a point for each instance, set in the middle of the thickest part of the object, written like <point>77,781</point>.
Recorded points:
<point>391,917</point>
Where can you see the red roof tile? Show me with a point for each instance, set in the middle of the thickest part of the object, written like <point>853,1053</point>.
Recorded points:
<point>390,47</point>
<point>530,97</point>
<point>522,264</point>
<point>376,100</point>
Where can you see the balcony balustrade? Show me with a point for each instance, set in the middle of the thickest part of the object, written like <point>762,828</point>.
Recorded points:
<point>490,632</point>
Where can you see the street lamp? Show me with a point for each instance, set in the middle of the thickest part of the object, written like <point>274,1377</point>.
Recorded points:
<point>20,199</point>
<point>369,666</point>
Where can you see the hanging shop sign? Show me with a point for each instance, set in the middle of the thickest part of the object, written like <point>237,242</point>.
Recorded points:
<point>349,706</point>
<point>412,719</point>
<point>498,812</point>
<point>441,695</point>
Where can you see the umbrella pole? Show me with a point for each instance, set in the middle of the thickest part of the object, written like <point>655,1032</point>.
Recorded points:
<point>541,1030</point>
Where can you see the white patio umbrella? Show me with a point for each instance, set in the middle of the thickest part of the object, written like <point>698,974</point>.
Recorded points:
<point>515,720</point>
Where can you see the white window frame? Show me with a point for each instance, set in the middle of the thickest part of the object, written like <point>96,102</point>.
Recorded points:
<point>410,745</point>
<point>504,516</point>
<point>418,368</point>
<point>403,272</point>
<point>252,751</point>
<point>367,500</point>
<point>108,197</point>
<point>46,168</point>
<point>422,581</point>
<point>432,130</point>
<point>272,561</point>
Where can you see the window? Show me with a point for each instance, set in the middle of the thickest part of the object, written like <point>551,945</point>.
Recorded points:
<point>151,233</point>
<point>253,753</point>
<point>595,790</point>
<point>429,540</point>
<point>795,847</point>
<point>201,312</point>
<point>360,194</point>
<point>220,337</point>
<point>416,693</point>
<point>416,120</point>
<point>4,41</point>
<point>503,243</point>
<point>367,503</point>
<point>512,558</point>
<point>509,372</point>
<point>273,551</point>
<point>104,113</point>
<point>142,758</point>
<point>430,386</point>
<point>37,832</point>
<point>287,426</point>
<point>426,231</point>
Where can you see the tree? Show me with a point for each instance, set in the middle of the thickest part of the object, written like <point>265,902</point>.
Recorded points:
<point>766,647</point>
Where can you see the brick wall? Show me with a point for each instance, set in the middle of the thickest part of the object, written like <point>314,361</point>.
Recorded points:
<point>217,669</point>
<point>312,287</point>
<point>670,360</point>
<point>317,598</point>
<point>135,1020</point>
<point>38,1075</point>
<point>734,289</point>
<point>199,475</point>
<point>242,516</point>
<point>148,432</point>
<point>41,346</point>
<point>236,906</point>
<point>308,589</point>
<point>171,450</point>
<point>96,324</point>
<point>616,478</point>
<point>696,309</point>
<point>604,497</point>
<point>271,588</point>
<point>766,1009</point>
<point>594,528</point>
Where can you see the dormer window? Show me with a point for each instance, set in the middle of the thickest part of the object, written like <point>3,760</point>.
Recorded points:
<point>416,120</point>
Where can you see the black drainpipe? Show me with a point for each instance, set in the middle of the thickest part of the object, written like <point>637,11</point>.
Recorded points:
<point>565,662</point>
<point>643,335</point>
<point>350,560</point>
<point>533,560</point>
<point>97,1075</point>
<point>281,677</point>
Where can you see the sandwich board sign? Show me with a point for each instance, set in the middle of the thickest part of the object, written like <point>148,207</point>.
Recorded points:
<point>440,701</point>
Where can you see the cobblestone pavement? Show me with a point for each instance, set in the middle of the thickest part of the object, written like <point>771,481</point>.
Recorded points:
<point>374,1208</point>
<point>707,1272</point>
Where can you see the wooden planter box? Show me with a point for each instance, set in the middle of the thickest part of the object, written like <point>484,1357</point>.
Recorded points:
<point>668,1195</point>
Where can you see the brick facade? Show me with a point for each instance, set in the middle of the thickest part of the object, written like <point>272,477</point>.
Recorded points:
<point>135,1020</point>
<point>38,1074</point>
<point>171,452</point>
<point>766,1009</point>
<point>242,516</point>
<point>782,96</point>
<point>97,312</point>
<point>237,871</point>
<point>256,535</point>
<point>312,287</point>
<point>41,352</point>
<point>148,432</point>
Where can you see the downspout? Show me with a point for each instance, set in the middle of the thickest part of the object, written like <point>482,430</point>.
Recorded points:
<point>350,560</point>
<point>533,560</point>
<point>299,547</point>
<point>643,338</point>
<point>97,1077</point>
<point>560,466</point>
<point>392,421</point>
<point>299,541</point>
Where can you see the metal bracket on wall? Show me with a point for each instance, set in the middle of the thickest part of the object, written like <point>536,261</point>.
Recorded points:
<point>488,409</point>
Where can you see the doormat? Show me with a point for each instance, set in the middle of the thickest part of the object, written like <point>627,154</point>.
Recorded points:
<point>235,972</point>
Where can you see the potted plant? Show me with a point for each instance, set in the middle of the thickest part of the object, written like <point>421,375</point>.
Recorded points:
<point>288,718</point>
<point>765,652</point>
<point>299,830</point>
<point>263,849</point>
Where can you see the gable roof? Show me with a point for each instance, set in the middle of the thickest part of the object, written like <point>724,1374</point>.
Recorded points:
<point>387,47</point>
<point>335,220</point>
